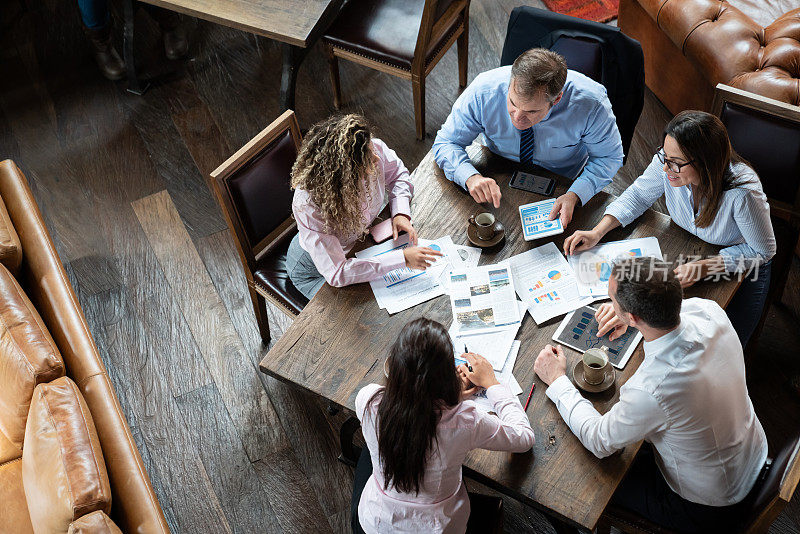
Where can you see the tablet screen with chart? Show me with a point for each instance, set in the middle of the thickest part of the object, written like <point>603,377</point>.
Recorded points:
<point>578,331</point>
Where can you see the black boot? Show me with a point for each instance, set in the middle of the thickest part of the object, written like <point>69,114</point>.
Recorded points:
<point>109,62</point>
<point>176,45</point>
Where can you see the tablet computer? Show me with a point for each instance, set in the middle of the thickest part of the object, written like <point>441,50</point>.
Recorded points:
<point>536,221</point>
<point>578,331</point>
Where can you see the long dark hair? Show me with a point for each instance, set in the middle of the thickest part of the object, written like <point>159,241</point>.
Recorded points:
<point>704,141</point>
<point>422,382</point>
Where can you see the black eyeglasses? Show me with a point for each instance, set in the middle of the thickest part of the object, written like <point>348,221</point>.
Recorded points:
<point>674,166</point>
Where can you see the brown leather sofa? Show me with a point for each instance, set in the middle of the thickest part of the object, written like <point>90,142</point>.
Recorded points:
<point>68,462</point>
<point>692,45</point>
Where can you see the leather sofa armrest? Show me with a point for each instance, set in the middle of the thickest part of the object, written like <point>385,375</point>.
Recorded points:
<point>135,506</point>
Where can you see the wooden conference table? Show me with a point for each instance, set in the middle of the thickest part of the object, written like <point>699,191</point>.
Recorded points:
<point>339,342</point>
<point>297,25</point>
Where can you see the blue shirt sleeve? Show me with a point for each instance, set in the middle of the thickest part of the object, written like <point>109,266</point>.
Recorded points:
<point>604,145</point>
<point>640,195</point>
<point>462,126</point>
<point>751,214</point>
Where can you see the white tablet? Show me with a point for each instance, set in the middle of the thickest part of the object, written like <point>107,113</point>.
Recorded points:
<point>536,221</point>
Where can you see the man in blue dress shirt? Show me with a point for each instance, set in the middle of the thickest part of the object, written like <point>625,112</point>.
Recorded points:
<point>538,113</point>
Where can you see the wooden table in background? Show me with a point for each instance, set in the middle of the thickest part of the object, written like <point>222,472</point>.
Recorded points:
<point>295,24</point>
<point>338,344</point>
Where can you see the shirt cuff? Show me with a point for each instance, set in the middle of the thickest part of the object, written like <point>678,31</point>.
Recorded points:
<point>584,189</point>
<point>559,386</point>
<point>392,260</point>
<point>499,392</point>
<point>400,206</point>
<point>464,171</point>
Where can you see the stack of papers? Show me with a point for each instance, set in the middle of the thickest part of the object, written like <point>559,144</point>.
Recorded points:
<point>403,288</point>
<point>593,267</point>
<point>493,346</point>
<point>546,283</point>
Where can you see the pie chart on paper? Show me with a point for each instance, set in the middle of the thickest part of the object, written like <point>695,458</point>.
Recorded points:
<point>554,275</point>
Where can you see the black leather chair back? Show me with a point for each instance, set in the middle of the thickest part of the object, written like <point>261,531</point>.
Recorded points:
<point>582,54</point>
<point>260,189</point>
<point>767,491</point>
<point>599,51</point>
<point>771,144</point>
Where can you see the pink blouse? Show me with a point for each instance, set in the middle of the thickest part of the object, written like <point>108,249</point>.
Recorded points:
<point>329,250</point>
<point>442,504</point>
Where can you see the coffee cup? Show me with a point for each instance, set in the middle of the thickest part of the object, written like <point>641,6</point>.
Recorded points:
<point>595,365</point>
<point>484,225</point>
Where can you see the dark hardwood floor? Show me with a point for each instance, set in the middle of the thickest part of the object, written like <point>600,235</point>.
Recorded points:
<point>122,182</point>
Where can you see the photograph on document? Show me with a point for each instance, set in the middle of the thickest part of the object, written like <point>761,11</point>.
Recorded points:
<point>483,298</point>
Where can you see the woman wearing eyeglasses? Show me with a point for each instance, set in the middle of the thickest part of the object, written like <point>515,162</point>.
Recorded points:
<point>713,193</point>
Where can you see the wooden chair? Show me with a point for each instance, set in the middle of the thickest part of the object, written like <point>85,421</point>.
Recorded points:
<point>252,187</point>
<point>765,502</point>
<point>766,133</point>
<point>405,38</point>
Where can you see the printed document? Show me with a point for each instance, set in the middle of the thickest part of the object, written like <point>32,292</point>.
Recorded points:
<point>593,267</point>
<point>483,299</point>
<point>403,288</point>
<point>493,346</point>
<point>545,282</point>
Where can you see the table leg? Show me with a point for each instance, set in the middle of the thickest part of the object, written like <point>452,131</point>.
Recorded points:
<point>292,58</point>
<point>134,84</point>
<point>350,452</point>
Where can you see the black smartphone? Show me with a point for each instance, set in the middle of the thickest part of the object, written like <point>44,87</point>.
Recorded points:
<point>532,183</point>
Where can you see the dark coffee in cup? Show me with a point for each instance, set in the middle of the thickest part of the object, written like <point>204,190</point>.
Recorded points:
<point>484,225</point>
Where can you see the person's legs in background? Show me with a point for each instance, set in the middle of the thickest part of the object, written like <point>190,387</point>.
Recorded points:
<point>363,472</point>
<point>97,25</point>
<point>747,305</point>
<point>176,44</point>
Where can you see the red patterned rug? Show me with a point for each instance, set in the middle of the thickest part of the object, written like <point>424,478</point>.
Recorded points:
<point>596,10</point>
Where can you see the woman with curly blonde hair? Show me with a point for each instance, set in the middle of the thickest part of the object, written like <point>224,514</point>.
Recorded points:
<point>340,178</point>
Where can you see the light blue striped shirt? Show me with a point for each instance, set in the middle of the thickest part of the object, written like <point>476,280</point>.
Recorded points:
<point>580,132</point>
<point>742,224</point>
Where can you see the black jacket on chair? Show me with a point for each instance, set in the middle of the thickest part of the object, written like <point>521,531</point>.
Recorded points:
<point>597,50</point>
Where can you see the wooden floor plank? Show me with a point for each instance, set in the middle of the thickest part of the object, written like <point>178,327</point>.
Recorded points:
<point>205,313</point>
<point>242,494</point>
<point>290,494</point>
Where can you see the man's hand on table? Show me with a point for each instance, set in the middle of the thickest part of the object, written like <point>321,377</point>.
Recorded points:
<point>550,364</point>
<point>563,207</point>
<point>484,189</point>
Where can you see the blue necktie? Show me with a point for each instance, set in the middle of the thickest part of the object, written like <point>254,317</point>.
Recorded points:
<point>526,147</point>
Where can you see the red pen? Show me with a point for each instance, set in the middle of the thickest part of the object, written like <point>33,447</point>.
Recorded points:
<point>529,396</point>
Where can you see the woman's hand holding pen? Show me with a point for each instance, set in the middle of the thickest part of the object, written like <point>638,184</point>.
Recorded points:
<point>477,370</point>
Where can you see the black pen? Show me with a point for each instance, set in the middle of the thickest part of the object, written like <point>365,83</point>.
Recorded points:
<point>467,350</point>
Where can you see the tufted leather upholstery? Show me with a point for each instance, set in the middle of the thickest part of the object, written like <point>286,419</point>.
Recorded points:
<point>386,31</point>
<point>271,276</point>
<point>63,472</point>
<point>260,189</point>
<point>94,523</point>
<point>724,44</point>
<point>28,357</point>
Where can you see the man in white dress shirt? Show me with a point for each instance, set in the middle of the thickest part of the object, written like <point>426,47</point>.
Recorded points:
<point>688,399</point>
